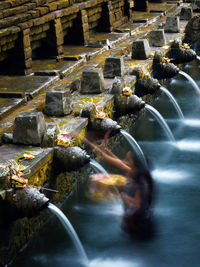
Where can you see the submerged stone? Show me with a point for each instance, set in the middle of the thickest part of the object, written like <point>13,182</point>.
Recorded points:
<point>58,103</point>
<point>172,24</point>
<point>71,158</point>
<point>29,128</point>
<point>157,38</point>
<point>114,66</point>
<point>92,81</point>
<point>141,49</point>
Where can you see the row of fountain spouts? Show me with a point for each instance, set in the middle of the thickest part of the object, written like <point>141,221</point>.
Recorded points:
<point>135,146</point>
<point>97,167</point>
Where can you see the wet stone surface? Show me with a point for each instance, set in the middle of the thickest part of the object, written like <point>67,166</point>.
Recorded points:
<point>24,85</point>
<point>8,104</point>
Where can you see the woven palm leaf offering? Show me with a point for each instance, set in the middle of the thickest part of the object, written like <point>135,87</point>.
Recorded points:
<point>105,187</point>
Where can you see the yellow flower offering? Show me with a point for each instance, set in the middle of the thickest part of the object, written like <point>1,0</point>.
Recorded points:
<point>126,91</point>
<point>100,115</point>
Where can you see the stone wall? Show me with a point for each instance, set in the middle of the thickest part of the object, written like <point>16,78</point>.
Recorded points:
<point>33,28</point>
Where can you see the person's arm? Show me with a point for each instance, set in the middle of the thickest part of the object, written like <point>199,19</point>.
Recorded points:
<point>109,157</point>
<point>132,202</point>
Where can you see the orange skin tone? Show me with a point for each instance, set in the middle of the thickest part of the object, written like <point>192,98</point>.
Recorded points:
<point>127,166</point>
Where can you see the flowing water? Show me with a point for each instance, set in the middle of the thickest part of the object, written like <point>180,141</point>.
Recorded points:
<point>161,121</point>
<point>189,78</point>
<point>70,230</point>
<point>175,169</point>
<point>135,147</point>
<point>97,167</point>
<point>173,100</point>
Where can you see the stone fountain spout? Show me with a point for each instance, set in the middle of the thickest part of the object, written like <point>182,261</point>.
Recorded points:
<point>27,202</point>
<point>181,53</point>
<point>106,124</point>
<point>129,104</point>
<point>70,158</point>
<point>162,68</point>
<point>145,84</point>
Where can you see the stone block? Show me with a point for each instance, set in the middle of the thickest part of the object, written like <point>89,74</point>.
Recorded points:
<point>195,4</point>
<point>157,38</point>
<point>141,49</point>
<point>58,103</point>
<point>172,24</point>
<point>114,66</point>
<point>92,81</point>
<point>186,13</point>
<point>29,128</point>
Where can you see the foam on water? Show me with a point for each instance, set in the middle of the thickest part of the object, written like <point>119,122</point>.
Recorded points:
<point>113,263</point>
<point>187,145</point>
<point>192,122</point>
<point>169,176</point>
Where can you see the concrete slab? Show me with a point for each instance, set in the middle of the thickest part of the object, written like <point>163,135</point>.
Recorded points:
<point>7,105</point>
<point>21,86</point>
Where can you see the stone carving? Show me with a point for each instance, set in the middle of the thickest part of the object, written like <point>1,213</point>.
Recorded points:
<point>162,68</point>
<point>71,158</point>
<point>180,53</point>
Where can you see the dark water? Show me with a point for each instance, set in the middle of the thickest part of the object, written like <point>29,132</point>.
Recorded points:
<point>175,168</point>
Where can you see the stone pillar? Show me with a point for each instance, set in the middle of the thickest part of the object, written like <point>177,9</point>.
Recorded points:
<point>85,26</point>
<point>186,13</point>
<point>114,66</point>
<point>172,24</point>
<point>195,5</point>
<point>141,49</point>
<point>157,38</point>
<point>58,103</point>
<point>52,44</point>
<point>92,81</point>
<point>27,51</point>
<point>29,128</point>
<point>59,36</point>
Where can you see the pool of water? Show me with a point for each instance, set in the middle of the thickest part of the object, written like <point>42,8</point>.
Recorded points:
<point>175,169</point>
